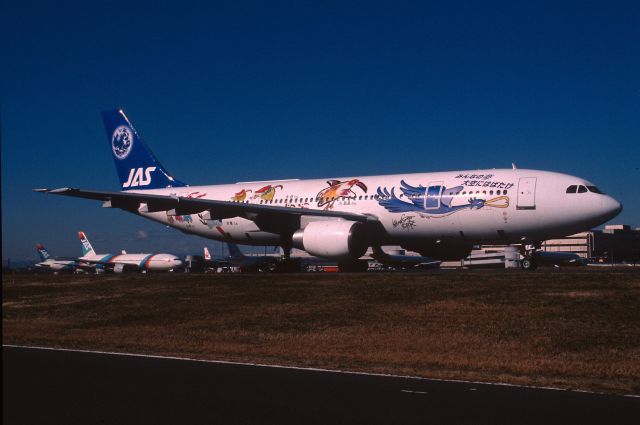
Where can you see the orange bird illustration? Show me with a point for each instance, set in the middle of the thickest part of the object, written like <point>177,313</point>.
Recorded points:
<point>267,193</point>
<point>240,196</point>
<point>338,190</point>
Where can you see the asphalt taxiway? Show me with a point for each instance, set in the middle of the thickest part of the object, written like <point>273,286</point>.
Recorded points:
<point>52,386</point>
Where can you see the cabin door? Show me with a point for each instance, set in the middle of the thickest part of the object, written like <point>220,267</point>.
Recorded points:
<point>526,193</point>
<point>432,198</point>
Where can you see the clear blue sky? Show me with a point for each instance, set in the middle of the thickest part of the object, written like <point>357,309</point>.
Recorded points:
<point>238,91</point>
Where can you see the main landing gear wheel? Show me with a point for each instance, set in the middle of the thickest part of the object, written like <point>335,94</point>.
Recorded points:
<point>528,263</point>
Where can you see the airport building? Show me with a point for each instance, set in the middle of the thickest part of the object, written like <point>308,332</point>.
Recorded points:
<point>616,243</point>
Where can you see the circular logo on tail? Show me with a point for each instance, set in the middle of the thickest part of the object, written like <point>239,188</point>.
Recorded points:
<point>122,141</point>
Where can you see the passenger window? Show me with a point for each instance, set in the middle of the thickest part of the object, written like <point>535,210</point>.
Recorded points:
<point>491,192</point>
<point>504,192</point>
<point>572,189</point>
<point>497,192</point>
<point>582,189</point>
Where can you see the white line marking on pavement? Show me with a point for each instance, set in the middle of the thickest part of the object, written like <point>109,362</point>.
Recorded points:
<point>310,369</point>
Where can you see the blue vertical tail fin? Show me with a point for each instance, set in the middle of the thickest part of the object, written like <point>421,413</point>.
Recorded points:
<point>137,167</point>
<point>234,251</point>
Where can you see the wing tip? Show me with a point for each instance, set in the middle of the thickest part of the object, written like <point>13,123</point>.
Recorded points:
<point>58,190</point>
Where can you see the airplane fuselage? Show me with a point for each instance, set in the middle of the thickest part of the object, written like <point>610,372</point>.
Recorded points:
<point>154,262</point>
<point>495,205</point>
<point>57,265</point>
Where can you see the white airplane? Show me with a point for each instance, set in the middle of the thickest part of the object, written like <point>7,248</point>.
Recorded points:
<point>119,263</point>
<point>439,215</point>
<point>56,265</point>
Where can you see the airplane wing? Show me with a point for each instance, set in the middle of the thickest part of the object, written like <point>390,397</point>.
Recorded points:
<point>268,218</point>
<point>73,262</point>
<point>85,263</point>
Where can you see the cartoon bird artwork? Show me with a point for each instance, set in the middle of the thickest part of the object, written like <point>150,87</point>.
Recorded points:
<point>433,200</point>
<point>240,196</point>
<point>267,193</point>
<point>338,190</point>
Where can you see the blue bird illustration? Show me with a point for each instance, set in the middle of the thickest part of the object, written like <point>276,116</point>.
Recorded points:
<point>434,200</point>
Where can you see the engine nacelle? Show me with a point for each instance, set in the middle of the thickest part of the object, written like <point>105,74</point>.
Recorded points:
<point>334,239</point>
<point>443,251</point>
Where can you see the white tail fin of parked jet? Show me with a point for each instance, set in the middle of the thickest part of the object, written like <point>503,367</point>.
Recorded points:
<point>87,249</point>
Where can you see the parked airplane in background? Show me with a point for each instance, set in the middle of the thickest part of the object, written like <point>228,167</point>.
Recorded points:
<point>251,262</point>
<point>56,265</point>
<point>560,259</point>
<point>119,263</point>
<point>236,258</point>
<point>211,263</point>
<point>439,215</point>
<point>403,261</point>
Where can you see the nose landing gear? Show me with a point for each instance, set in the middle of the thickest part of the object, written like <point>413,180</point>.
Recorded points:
<point>528,251</point>
<point>528,263</point>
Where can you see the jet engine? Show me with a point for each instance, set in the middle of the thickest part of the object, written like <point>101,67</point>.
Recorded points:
<point>334,239</point>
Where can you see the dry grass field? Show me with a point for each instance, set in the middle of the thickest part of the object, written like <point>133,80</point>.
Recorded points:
<point>577,328</point>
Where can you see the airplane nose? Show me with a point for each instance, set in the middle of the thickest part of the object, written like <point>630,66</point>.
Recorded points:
<point>610,207</point>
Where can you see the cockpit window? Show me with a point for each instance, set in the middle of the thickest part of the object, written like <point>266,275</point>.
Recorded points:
<point>582,189</point>
<point>595,190</point>
<point>572,189</point>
